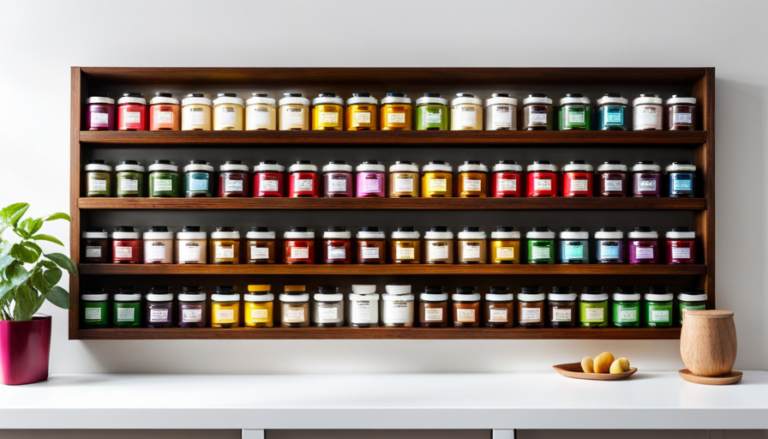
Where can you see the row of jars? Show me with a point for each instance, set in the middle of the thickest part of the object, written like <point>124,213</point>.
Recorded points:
<point>543,246</point>
<point>434,180</point>
<point>397,307</point>
<point>228,112</point>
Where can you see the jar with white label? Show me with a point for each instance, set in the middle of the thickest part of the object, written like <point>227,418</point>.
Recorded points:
<point>473,246</point>
<point>404,180</point>
<point>299,246</point>
<point>337,245</point>
<point>530,307</point>
<point>473,180</point>
<point>260,113</point>
<point>499,308</point>
<point>294,307</point>
<point>396,112</point>
<point>337,179</point>
<point>466,307</point>
<point>505,246</point>
<point>405,246</point>
<point>196,113</point>
<point>431,112</point>
<point>681,110</point>
<point>95,246</point>
<point>362,112</point>
<point>593,308</point>
<point>225,246</point>
<point>501,113</point>
<point>191,246</point>
<point>126,308</point>
<point>225,307</point>
<point>574,246</point>
<point>658,308</point>
<point>437,180</point>
<point>397,306</point>
<point>466,113</point>
<point>98,177</point>
<point>327,112</point>
<point>643,246</point>
<point>562,307</point>
<point>328,308</point>
<point>260,242</point>
<point>433,307</point>
<point>371,246</point>
<point>159,307</point>
<point>228,112</point>
<point>610,247</point>
<point>648,113</point>
<point>94,309</point>
<point>438,246</point>
<point>363,310</point>
<point>294,112</point>
<point>538,114</point>
<point>574,112</point>
<point>129,179</point>
<point>158,245</point>
<point>259,306</point>
<point>193,310</point>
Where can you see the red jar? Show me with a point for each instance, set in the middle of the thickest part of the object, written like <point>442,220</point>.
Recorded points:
<point>302,180</point>
<point>299,246</point>
<point>681,246</point>
<point>613,179</point>
<point>132,112</point>
<point>337,246</point>
<point>542,179</point>
<point>578,179</point>
<point>268,179</point>
<point>126,246</point>
<point>507,179</point>
<point>233,179</point>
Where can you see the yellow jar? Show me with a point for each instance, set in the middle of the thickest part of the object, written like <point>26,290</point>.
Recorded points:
<point>259,306</point>
<point>505,246</point>
<point>225,308</point>
<point>294,112</point>
<point>396,112</point>
<point>260,113</point>
<point>405,246</point>
<point>195,113</point>
<point>436,180</point>
<point>225,246</point>
<point>404,180</point>
<point>228,113</point>
<point>327,112</point>
<point>362,110</point>
<point>466,113</point>
<point>473,180</point>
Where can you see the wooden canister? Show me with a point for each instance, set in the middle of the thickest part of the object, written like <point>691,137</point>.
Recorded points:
<point>708,342</point>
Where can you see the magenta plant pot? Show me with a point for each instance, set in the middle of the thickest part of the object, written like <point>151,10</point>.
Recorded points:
<point>25,348</point>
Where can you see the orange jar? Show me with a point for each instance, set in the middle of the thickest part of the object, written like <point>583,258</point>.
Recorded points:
<point>164,113</point>
<point>396,112</point>
<point>473,180</point>
<point>362,112</point>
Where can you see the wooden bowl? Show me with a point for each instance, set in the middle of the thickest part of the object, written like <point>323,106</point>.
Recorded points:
<point>574,370</point>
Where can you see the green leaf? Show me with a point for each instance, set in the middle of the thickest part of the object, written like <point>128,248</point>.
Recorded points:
<point>52,276</point>
<point>32,246</point>
<point>13,213</point>
<point>40,283</point>
<point>34,226</point>
<point>5,287</point>
<point>42,237</point>
<point>59,297</point>
<point>24,254</point>
<point>5,261</point>
<point>48,264</point>
<point>23,234</point>
<point>16,273</point>
<point>63,261</point>
<point>57,216</point>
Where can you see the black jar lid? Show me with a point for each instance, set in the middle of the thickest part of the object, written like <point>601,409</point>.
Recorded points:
<point>471,229</point>
<point>608,229</point>
<point>403,162</point>
<point>364,94</point>
<point>158,228</point>
<point>537,95</point>
<point>303,162</point>
<point>259,229</point>
<point>268,162</point>
<point>298,228</point>
<point>259,95</point>
<point>124,229</point>
<point>233,162</point>
<point>128,289</point>
<point>540,229</point>
<point>685,162</point>
<point>98,162</point>
<point>612,95</point>
<point>190,229</point>
<point>192,289</point>
<point>438,229</point>
<point>433,289</point>
<point>195,95</point>
<point>337,162</point>
<point>326,94</point>
<point>561,289</point>
<point>626,289</point>
<point>437,162</point>
<point>133,95</point>
<point>648,95</point>
<point>646,162</point>
<point>163,162</point>
<point>396,94</point>
<point>680,229</point>
<point>225,229</point>
<point>466,289</point>
<point>95,290</point>
<point>577,162</point>
<point>432,95</point>
<point>327,289</point>
<point>405,228</point>
<point>508,162</point>
<point>337,229</point>
<point>573,229</point>
<point>471,162</point>
<point>369,228</point>
<point>499,289</point>
<point>198,162</point>
<point>643,229</point>
<point>159,289</point>
<point>227,95</point>
<point>129,162</point>
<point>465,95</point>
<point>293,95</point>
<point>501,95</point>
<point>657,289</point>
<point>505,229</point>
<point>225,289</point>
<point>96,229</point>
<point>612,162</point>
<point>593,289</point>
<point>164,94</point>
<point>574,95</point>
<point>370,162</point>
<point>541,162</point>
<point>530,289</point>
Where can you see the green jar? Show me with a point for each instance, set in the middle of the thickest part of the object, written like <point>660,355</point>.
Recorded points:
<point>626,308</point>
<point>126,308</point>
<point>163,179</point>
<point>431,112</point>
<point>574,112</point>
<point>593,308</point>
<point>98,179</point>
<point>198,179</point>
<point>94,310</point>
<point>541,245</point>
<point>658,309</point>
<point>690,299</point>
<point>130,179</point>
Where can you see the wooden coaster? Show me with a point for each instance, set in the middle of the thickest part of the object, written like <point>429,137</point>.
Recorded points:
<point>731,378</point>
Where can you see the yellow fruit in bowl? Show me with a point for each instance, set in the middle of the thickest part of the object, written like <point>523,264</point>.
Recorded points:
<point>624,363</point>
<point>603,362</point>
<point>616,367</point>
<point>587,365</point>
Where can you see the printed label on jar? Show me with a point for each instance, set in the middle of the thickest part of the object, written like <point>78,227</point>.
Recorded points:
<point>404,184</point>
<point>681,185</point>
<point>647,117</point>
<point>537,117</point>
<point>158,315</point>
<point>260,116</point>
<point>293,117</point>
<point>531,315</point>
<point>164,116</point>
<point>465,315</point>
<point>437,185</point>
<point>227,115</point>
<point>132,117</point>
<point>395,118</point>
<point>369,252</point>
<point>293,315</point>
<point>225,315</point>
<point>473,185</point>
<point>305,185</point>
<point>198,184</point>
<point>189,253</point>
<point>574,251</point>
<point>156,252</point>
<point>540,252</point>
<point>433,118</point>
<point>337,185</point>
<point>433,315</point>
<point>509,185</point>
<point>609,251</point>
<point>502,117</point>
<point>191,315</point>
<point>259,252</point>
<point>92,314</point>
<point>575,116</point>
<point>579,185</point>
<point>614,186</point>
<point>225,252</point>
<point>681,253</point>
<point>363,311</point>
<point>595,314</point>
<point>399,311</point>
<point>125,314</point>
<point>659,315</point>
<point>404,253</point>
<point>647,185</point>
<point>128,185</point>
<point>626,315</point>
<point>498,315</point>
<point>92,252</point>
<point>614,117</point>
<point>644,252</point>
<point>438,250</point>
<point>470,251</point>
<point>123,252</point>
<point>683,119</point>
<point>197,118</point>
<point>99,119</point>
<point>259,315</point>
<point>97,185</point>
<point>299,253</point>
<point>328,118</point>
<point>505,253</point>
<point>328,314</point>
<point>371,185</point>
<point>542,184</point>
<point>361,117</point>
<point>467,116</point>
<point>163,184</point>
<point>269,185</point>
<point>561,314</point>
<point>233,185</point>
<point>335,253</point>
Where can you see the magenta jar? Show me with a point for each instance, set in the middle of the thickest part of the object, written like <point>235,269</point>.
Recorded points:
<point>643,246</point>
<point>646,180</point>
<point>613,179</point>
<point>371,179</point>
<point>681,246</point>
<point>100,114</point>
<point>192,312</point>
<point>337,179</point>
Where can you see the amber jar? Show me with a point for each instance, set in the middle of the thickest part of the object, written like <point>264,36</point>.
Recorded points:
<point>505,246</point>
<point>337,245</point>
<point>294,307</point>
<point>433,307</point>
<point>473,246</point>
<point>327,112</point>
<point>405,247</point>
<point>466,307</point>
<point>260,242</point>
<point>396,111</point>
<point>225,246</point>
<point>562,307</point>
<point>473,180</point>
<point>530,308</point>
<point>404,180</point>
<point>499,308</point>
<point>362,112</point>
<point>371,246</point>
<point>436,180</point>
<point>438,246</point>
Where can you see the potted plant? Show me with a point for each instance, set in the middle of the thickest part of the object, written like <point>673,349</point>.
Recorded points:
<point>28,278</point>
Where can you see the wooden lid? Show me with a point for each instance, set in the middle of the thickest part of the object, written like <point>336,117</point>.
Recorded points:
<point>708,314</point>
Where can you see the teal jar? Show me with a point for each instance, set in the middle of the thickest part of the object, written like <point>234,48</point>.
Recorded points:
<point>126,308</point>
<point>626,308</point>
<point>612,112</point>
<point>593,308</point>
<point>130,179</point>
<point>431,112</point>
<point>657,308</point>
<point>198,179</point>
<point>690,299</point>
<point>163,179</point>
<point>94,310</point>
<point>574,112</point>
<point>541,245</point>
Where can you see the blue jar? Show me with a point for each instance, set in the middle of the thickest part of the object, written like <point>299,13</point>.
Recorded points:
<point>681,179</point>
<point>574,246</point>
<point>610,247</point>
<point>612,112</point>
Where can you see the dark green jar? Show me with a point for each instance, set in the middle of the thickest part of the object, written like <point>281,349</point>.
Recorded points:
<point>98,177</point>
<point>431,112</point>
<point>574,112</point>
<point>163,179</point>
<point>541,245</point>
<point>626,308</point>
<point>198,179</point>
<point>94,310</point>
<point>130,179</point>
<point>658,308</point>
<point>126,308</point>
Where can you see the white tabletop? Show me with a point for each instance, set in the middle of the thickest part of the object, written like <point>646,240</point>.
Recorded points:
<point>648,400</point>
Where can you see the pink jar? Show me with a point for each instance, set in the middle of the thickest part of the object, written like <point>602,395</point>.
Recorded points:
<point>337,179</point>
<point>371,179</point>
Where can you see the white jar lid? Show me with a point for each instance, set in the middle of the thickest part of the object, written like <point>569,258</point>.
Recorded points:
<point>304,297</point>
<point>95,235</point>
<point>637,234</point>
<point>578,167</point>
<point>604,234</point>
<point>259,297</point>
<point>158,100</point>
<point>268,167</point>
<point>473,167</point>
<point>561,297</point>
<point>294,100</point>
<point>396,100</point>
<point>225,297</point>
<point>153,297</point>
<point>647,100</point>
<point>681,234</point>
<point>225,235</point>
<point>501,100</point>
<point>616,167</point>
<point>390,297</point>
<point>398,289</point>
<point>125,235</point>
<point>511,167</point>
<point>404,167</point>
<point>433,297</point>
<point>228,100</point>
<point>659,297</point>
<point>371,297</point>
<point>131,100</point>
<point>640,167</point>
<point>299,235</point>
<point>356,100</point>
<point>578,236</point>
<point>537,100</point>
<point>540,235</point>
<point>370,167</point>
<point>681,167</point>
<point>98,167</point>
<point>191,235</point>
<point>127,297</point>
<point>626,297</point>
<point>465,100</point>
<point>681,100</point>
<point>100,100</point>
<point>370,235</point>
<point>692,297</point>
<point>491,297</point>
<point>535,167</point>
<point>302,167</point>
<point>512,234</point>
<point>198,167</point>
<point>437,167</point>
<point>260,234</point>
<point>472,235</point>
<point>229,167</point>
<point>331,100</point>
<point>187,297</point>
<point>526,297</point>
<point>337,167</point>
<point>163,167</point>
<point>405,235</point>
<point>157,235</point>
<point>438,235</point>
<point>195,101</point>
<point>571,100</point>
<point>599,297</point>
<point>321,297</point>
<point>94,297</point>
<point>431,100</point>
<point>612,100</point>
<point>126,167</point>
<point>337,235</point>
<point>363,289</point>
<point>474,297</point>
<point>260,100</point>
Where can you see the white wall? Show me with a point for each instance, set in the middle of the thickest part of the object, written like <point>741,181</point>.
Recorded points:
<point>41,40</point>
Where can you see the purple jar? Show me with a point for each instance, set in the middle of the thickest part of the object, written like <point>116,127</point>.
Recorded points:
<point>371,180</point>
<point>192,308</point>
<point>610,247</point>
<point>159,308</point>
<point>338,179</point>
<point>643,246</point>
<point>646,179</point>
<point>100,114</point>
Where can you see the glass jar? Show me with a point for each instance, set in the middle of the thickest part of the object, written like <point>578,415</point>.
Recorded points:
<point>690,299</point>
<point>562,307</point>
<point>574,112</point>
<point>466,113</point>
<point>438,246</point>
<point>225,307</point>
<point>225,246</point>
<point>610,247</point>
<point>94,310</point>
<point>163,179</point>
<point>260,242</point>
<point>294,307</point>
<point>574,246</point>
<point>473,246</point>
<point>337,245</point>
<point>130,179</point>
<point>132,112</point>
<point>658,308</point>
<point>268,179</point>
<point>507,179</point>
<point>198,179</point>
<point>648,113</point>
<point>158,245</point>
<point>159,307</point>
<point>466,307</point>
<point>371,246</point>
<point>501,113</point>
<point>328,307</point>
<point>100,114</point>
<point>404,180</point>
<point>371,180</point>
<point>505,246</point>
<point>433,307</point>
<point>431,112</point>
<point>681,111</point>
<point>396,112</point>
<point>646,180</point>
<point>473,180</point>
<point>98,179</point>
<point>126,246</point>
<point>193,309</point>
<point>577,179</point>
<point>337,176</point>
<point>191,246</point>
<point>542,179</point>
<point>397,306</point>
<point>681,246</point>
<point>95,246</point>
<point>437,180</point>
<point>164,113</point>
<point>593,306</point>
<point>260,113</point>
<point>530,307</point>
<point>126,308</point>
<point>302,180</point>
<point>538,114</point>
<point>626,308</point>
<point>681,179</point>
<point>196,113</point>
<point>363,311</point>
<point>259,305</point>
<point>327,112</point>
<point>294,112</point>
<point>612,109</point>
<point>362,110</point>
<point>405,246</point>
<point>233,179</point>
<point>643,246</point>
<point>299,246</point>
<point>228,112</point>
<point>613,179</point>
<point>541,245</point>
<point>499,308</point>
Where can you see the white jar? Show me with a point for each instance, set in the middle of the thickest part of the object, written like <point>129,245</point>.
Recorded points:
<point>466,113</point>
<point>648,113</point>
<point>294,112</point>
<point>363,307</point>
<point>196,113</point>
<point>260,113</point>
<point>397,306</point>
<point>158,245</point>
<point>501,113</point>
